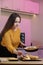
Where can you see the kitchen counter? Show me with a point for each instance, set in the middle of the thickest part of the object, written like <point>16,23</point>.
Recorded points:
<point>22,62</point>
<point>19,62</point>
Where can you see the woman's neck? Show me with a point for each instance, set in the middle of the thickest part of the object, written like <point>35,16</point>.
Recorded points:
<point>14,28</point>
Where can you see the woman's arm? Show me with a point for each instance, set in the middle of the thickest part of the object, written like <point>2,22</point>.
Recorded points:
<point>9,45</point>
<point>22,44</point>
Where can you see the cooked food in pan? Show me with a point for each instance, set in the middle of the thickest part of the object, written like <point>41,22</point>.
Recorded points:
<point>34,57</point>
<point>31,48</point>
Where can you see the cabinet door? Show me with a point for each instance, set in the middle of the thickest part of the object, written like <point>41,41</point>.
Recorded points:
<point>36,8</point>
<point>31,7</point>
<point>18,5</point>
<point>28,6</point>
<point>7,4</point>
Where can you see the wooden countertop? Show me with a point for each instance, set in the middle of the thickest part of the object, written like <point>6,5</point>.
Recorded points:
<point>23,62</point>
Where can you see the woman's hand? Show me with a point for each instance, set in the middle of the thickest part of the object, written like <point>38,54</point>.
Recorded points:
<point>19,53</point>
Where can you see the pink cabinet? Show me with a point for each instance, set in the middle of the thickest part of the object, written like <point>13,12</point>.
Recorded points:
<point>7,4</point>
<point>21,5</point>
<point>26,6</point>
<point>18,5</point>
<point>31,7</point>
<point>36,8</point>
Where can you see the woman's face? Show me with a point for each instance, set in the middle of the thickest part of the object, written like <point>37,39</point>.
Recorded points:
<point>17,22</point>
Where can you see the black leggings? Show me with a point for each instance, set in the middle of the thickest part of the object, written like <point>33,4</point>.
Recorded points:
<point>5,53</point>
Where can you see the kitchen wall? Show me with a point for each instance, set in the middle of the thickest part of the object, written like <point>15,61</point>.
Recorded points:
<point>25,27</point>
<point>37,24</point>
<point>0,10</point>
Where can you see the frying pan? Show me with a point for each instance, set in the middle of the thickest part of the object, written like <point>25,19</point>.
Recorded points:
<point>31,48</point>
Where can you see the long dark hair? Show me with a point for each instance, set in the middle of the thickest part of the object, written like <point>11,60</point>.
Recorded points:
<point>10,23</point>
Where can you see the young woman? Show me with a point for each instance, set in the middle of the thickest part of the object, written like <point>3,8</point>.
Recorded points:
<point>11,37</point>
